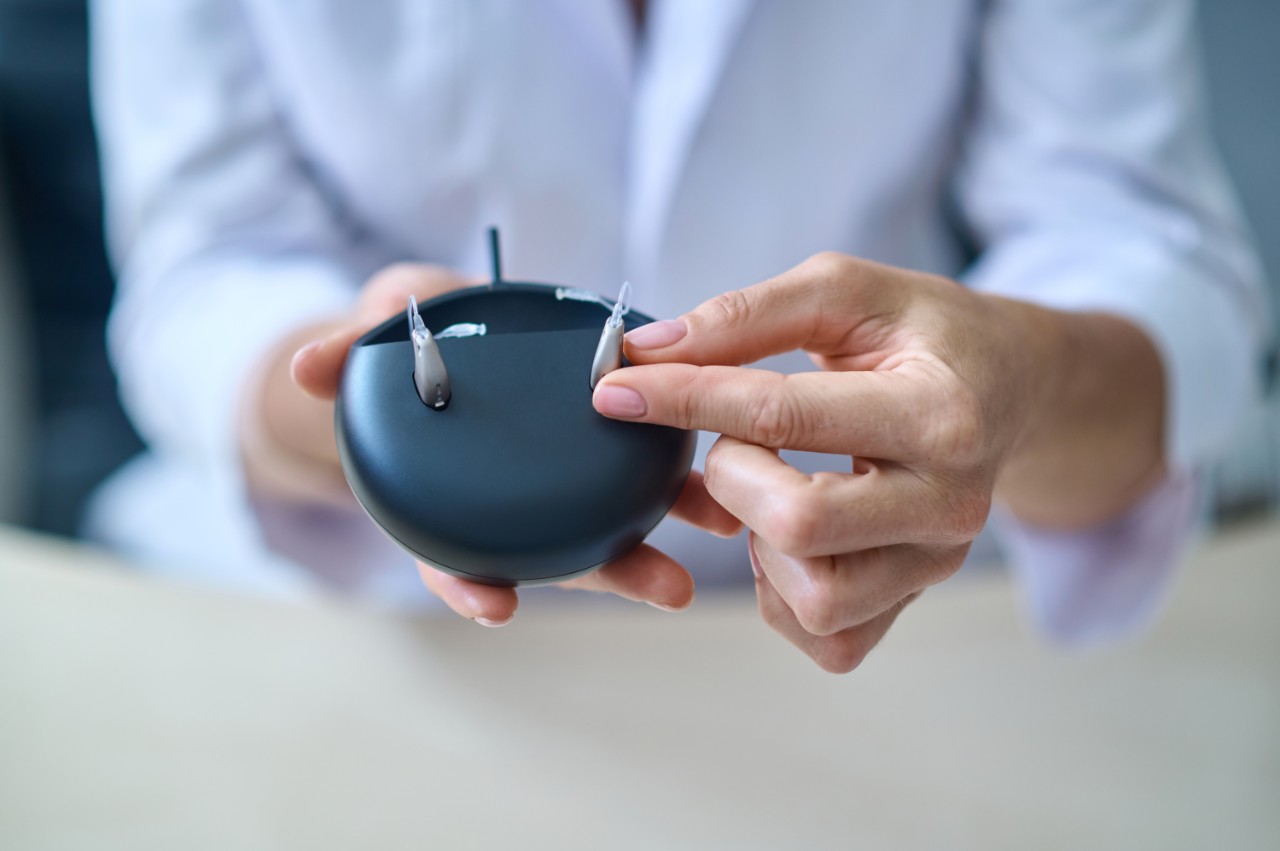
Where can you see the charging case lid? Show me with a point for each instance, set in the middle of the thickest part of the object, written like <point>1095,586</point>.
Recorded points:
<point>518,480</point>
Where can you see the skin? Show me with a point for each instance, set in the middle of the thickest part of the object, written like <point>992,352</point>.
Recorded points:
<point>946,400</point>
<point>289,452</point>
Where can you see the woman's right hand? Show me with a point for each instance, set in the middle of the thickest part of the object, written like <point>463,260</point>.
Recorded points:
<point>289,451</point>
<point>286,435</point>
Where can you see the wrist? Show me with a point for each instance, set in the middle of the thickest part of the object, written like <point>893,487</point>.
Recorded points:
<point>1037,351</point>
<point>1091,438</point>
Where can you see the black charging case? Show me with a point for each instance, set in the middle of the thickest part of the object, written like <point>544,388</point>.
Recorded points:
<point>517,481</point>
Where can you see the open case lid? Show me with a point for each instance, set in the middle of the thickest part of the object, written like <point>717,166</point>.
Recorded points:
<point>517,480</point>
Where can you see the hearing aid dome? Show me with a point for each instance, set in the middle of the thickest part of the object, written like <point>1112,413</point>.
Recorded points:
<point>471,440</point>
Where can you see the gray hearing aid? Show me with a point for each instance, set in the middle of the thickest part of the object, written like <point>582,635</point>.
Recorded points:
<point>430,377</point>
<point>609,349</point>
<point>472,441</point>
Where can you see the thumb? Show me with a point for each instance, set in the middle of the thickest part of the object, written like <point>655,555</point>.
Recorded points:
<point>317,366</point>
<point>812,307</point>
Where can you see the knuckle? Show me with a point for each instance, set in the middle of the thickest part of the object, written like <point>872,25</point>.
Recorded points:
<point>828,264</point>
<point>685,400</point>
<point>770,422</point>
<point>729,309</point>
<point>777,419</point>
<point>957,431</point>
<point>817,612</point>
<point>794,526</point>
<point>841,654</point>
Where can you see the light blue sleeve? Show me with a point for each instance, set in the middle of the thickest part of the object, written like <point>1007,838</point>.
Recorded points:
<point>223,243</point>
<point>1090,182</point>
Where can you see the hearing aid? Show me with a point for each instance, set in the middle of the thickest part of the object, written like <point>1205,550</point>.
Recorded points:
<point>471,439</point>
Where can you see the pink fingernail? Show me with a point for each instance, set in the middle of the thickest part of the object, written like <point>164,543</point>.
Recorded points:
<point>616,401</point>
<point>490,622</point>
<point>755,564</point>
<point>658,335</point>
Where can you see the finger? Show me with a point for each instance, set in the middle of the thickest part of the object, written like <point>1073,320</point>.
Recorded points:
<point>644,575</point>
<point>814,307</point>
<point>487,605</point>
<point>387,293</point>
<point>831,594</point>
<point>876,414</point>
<point>822,514</point>
<point>839,653</point>
<point>317,367</point>
<point>697,507</point>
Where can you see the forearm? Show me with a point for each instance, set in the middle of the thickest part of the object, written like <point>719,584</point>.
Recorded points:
<point>1092,442</point>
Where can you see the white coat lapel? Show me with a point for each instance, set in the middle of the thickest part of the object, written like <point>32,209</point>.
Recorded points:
<point>688,45</point>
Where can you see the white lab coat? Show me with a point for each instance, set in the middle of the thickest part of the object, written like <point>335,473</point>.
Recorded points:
<point>263,158</point>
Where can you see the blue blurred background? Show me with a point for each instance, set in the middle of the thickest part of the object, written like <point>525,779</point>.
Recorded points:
<point>61,427</point>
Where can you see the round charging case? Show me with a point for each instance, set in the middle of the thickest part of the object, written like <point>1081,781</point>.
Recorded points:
<point>517,480</point>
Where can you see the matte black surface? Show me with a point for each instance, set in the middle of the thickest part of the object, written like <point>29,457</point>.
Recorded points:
<point>518,480</point>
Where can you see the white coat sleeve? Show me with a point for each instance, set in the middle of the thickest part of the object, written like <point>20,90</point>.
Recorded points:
<point>222,239</point>
<point>1090,182</point>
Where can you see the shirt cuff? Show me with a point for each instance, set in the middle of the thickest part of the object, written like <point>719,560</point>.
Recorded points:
<point>1200,323</point>
<point>1090,586</point>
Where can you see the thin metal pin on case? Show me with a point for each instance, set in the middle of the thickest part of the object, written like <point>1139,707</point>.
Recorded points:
<point>430,378</point>
<point>609,349</point>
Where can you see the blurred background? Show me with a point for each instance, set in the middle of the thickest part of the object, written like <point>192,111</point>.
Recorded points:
<point>61,427</point>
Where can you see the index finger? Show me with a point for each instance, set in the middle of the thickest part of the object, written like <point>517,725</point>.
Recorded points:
<point>815,307</point>
<point>876,414</point>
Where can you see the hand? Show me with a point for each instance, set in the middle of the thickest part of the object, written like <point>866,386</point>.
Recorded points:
<point>644,575</point>
<point>286,435</point>
<point>290,452</point>
<point>939,395</point>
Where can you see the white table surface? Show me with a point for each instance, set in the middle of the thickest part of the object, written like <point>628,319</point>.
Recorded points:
<point>136,714</point>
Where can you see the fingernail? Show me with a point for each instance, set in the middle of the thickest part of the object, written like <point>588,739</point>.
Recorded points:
<point>490,622</point>
<point>617,401</point>
<point>301,355</point>
<point>657,335</point>
<point>755,564</point>
<point>665,607</point>
<point>309,349</point>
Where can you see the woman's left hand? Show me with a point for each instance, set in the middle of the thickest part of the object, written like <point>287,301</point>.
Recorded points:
<point>938,394</point>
